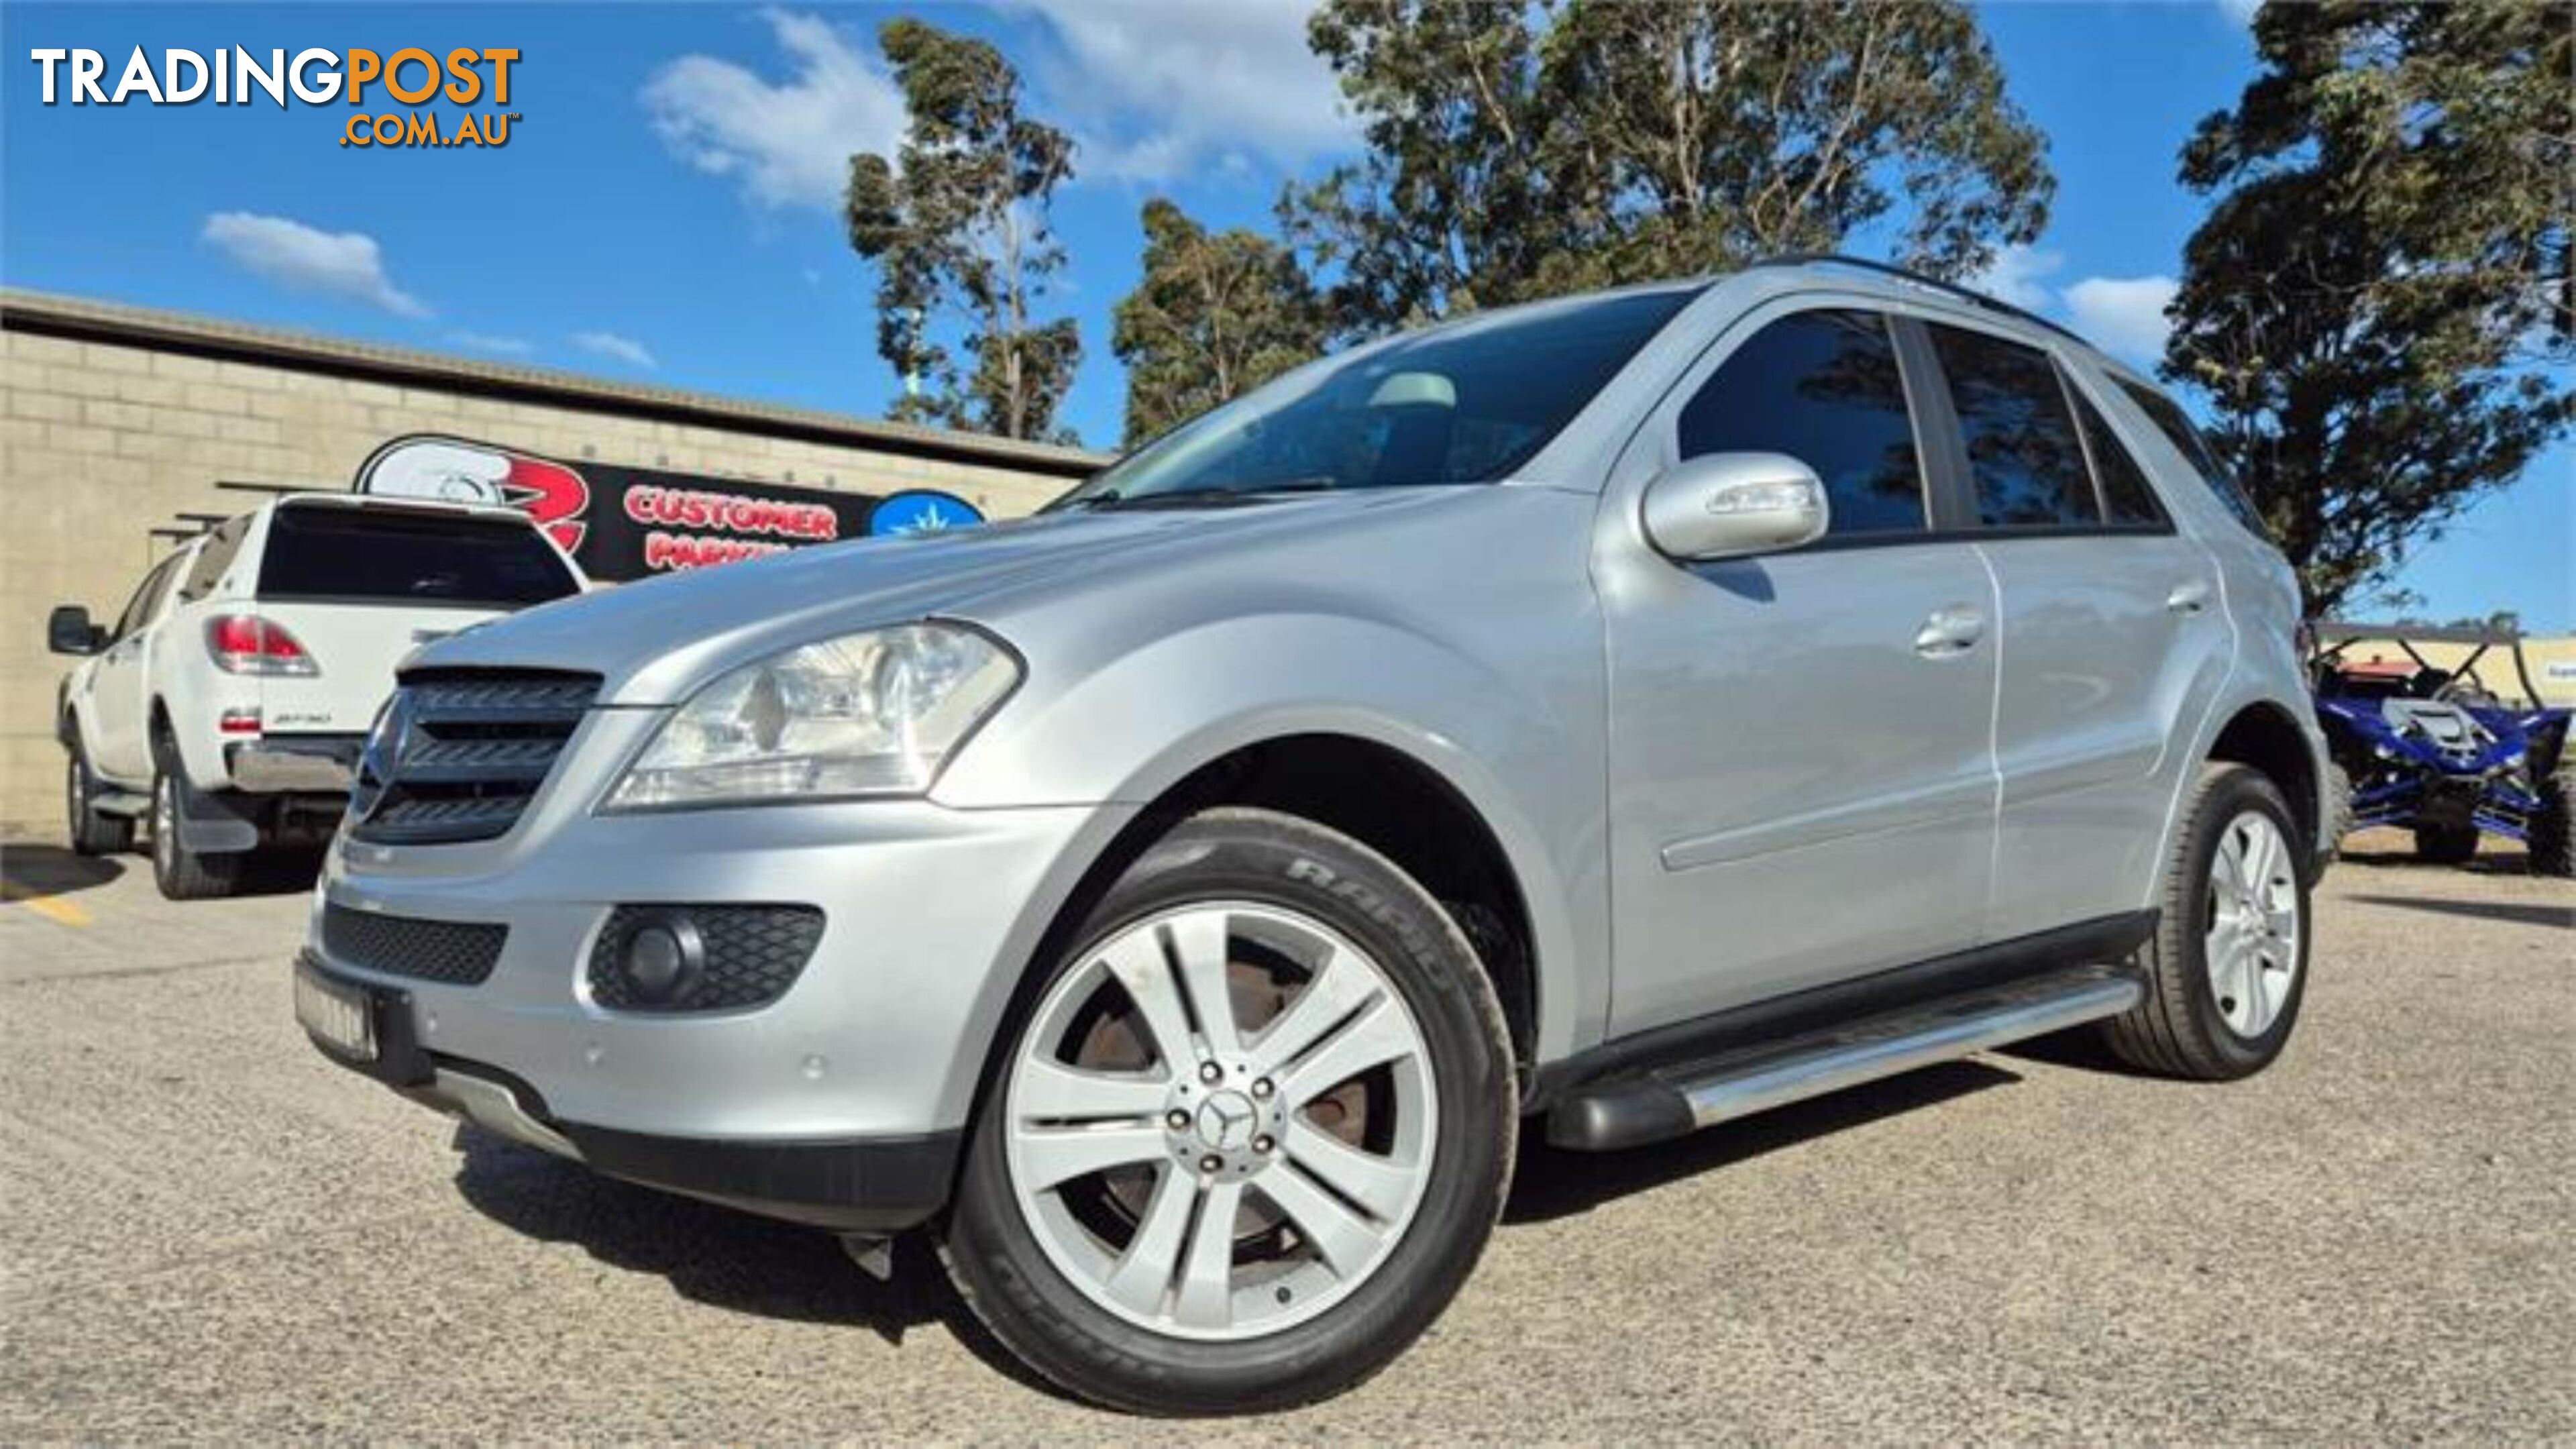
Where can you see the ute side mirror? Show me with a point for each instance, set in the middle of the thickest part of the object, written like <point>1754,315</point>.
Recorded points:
<point>69,631</point>
<point>1728,505</point>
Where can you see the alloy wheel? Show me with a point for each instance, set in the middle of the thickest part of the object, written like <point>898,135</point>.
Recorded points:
<point>2251,934</point>
<point>1221,1120</point>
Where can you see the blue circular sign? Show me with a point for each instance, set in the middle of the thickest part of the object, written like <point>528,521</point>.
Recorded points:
<point>921,510</point>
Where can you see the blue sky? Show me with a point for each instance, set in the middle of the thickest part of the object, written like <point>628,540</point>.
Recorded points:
<point>665,209</point>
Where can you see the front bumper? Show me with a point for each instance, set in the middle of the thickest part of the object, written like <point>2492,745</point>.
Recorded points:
<point>863,1073</point>
<point>869,1184</point>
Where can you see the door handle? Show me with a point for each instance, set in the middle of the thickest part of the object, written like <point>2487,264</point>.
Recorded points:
<point>2189,597</point>
<point>1951,631</point>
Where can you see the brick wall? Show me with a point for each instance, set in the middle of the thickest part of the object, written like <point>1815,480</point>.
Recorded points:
<point>103,440</point>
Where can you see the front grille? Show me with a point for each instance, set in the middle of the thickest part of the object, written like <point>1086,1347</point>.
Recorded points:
<point>753,954</point>
<point>462,752</point>
<point>460,953</point>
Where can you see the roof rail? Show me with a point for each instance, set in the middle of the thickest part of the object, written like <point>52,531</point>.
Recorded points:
<point>1948,289</point>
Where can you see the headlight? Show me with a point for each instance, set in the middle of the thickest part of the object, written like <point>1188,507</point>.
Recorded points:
<point>865,714</point>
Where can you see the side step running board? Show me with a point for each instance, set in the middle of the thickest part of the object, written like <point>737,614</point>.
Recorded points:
<point>1670,1101</point>
<point>125,804</point>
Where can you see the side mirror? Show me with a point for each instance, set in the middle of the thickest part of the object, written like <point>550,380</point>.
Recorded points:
<point>69,631</point>
<point>1727,505</point>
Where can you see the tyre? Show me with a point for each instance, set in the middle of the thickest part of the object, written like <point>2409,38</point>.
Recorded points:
<point>91,832</point>
<point>2227,967</point>
<point>2338,806</point>
<point>2446,844</point>
<point>1249,1137</point>
<point>2547,835</point>
<point>181,873</point>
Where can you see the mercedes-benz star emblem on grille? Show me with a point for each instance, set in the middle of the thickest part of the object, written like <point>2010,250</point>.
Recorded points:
<point>383,751</point>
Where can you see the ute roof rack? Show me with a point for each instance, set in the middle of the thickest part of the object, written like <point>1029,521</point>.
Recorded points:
<point>1952,290</point>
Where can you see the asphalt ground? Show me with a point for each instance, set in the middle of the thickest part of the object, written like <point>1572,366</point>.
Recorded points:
<point>207,1232</point>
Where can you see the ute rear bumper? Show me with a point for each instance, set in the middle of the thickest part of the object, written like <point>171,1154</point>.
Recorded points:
<point>320,764</point>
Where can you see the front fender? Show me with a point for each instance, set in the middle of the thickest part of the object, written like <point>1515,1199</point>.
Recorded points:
<point>1523,750</point>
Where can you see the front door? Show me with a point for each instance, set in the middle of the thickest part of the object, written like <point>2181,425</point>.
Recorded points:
<point>120,688</point>
<point>1802,787</point>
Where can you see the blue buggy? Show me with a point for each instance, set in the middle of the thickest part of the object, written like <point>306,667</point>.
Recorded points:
<point>2437,752</point>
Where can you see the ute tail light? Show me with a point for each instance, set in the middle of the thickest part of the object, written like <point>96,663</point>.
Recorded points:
<point>249,644</point>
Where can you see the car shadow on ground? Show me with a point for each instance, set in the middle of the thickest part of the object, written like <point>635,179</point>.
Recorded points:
<point>746,1264</point>
<point>2392,849</point>
<point>2519,913</point>
<point>28,871</point>
<point>716,1255</point>
<point>277,872</point>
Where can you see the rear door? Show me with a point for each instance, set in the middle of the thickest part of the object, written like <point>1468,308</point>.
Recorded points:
<point>357,588</point>
<point>2113,633</point>
<point>1800,781</point>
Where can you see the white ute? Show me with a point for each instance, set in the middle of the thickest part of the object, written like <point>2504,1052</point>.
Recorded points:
<point>228,701</point>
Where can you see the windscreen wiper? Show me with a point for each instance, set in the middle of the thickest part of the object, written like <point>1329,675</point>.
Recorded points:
<point>1219,497</point>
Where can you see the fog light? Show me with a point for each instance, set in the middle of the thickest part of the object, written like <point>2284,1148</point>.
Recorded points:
<point>663,958</point>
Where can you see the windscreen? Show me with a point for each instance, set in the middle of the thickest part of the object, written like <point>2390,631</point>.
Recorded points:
<point>419,558</point>
<point>1461,404</point>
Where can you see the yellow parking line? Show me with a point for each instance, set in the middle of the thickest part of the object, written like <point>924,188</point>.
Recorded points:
<point>55,908</point>
<point>52,908</point>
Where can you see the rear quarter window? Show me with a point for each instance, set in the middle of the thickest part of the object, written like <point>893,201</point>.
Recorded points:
<point>2130,499</point>
<point>221,547</point>
<point>381,556</point>
<point>2176,425</point>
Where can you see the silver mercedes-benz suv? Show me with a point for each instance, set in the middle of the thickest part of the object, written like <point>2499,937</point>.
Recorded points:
<point>1601,718</point>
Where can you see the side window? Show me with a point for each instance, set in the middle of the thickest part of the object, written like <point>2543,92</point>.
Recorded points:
<point>2022,449</point>
<point>1824,388</point>
<point>2125,490</point>
<point>146,595</point>
<point>213,559</point>
<point>2175,424</point>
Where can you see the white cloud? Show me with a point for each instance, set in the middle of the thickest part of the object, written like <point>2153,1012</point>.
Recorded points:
<point>2124,315</point>
<point>345,264</point>
<point>2240,11</point>
<point>2018,275</point>
<point>2121,315</point>
<point>487,342</point>
<point>1157,89</point>
<point>608,344</point>
<point>789,142</point>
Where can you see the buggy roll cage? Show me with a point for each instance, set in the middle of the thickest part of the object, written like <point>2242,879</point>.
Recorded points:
<point>2333,637</point>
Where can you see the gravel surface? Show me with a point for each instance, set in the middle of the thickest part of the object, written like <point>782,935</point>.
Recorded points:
<point>208,1232</point>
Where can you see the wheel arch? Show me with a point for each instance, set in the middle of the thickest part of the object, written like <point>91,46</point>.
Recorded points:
<point>1404,808</point>
<point>1362,785</point>
<point>2266,737</point>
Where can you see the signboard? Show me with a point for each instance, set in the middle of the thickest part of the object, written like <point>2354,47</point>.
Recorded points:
<point>626,523</point>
